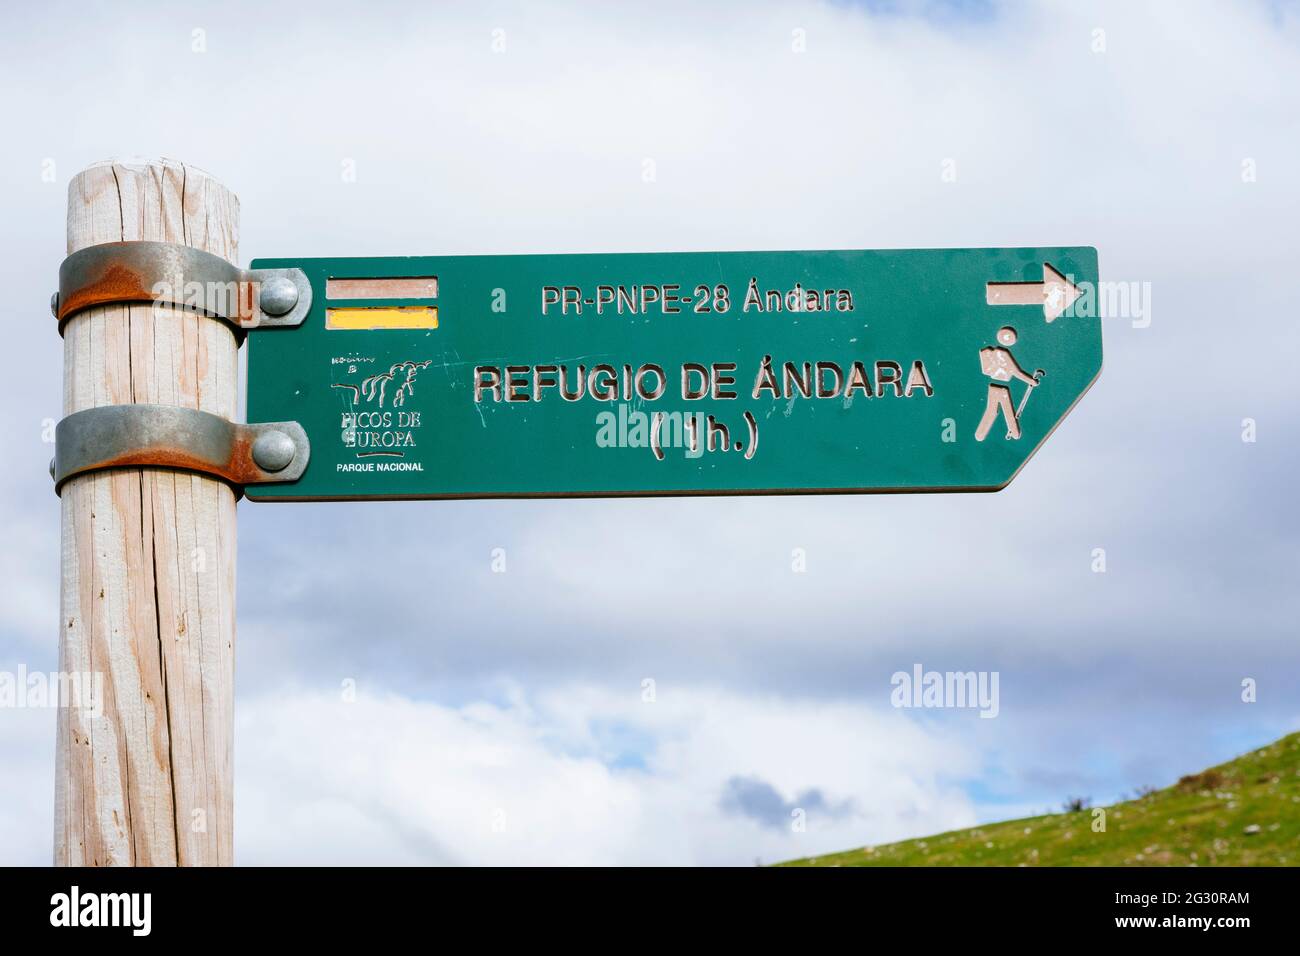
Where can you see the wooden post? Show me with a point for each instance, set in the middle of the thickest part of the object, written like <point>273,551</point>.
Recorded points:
<point>148,556</point>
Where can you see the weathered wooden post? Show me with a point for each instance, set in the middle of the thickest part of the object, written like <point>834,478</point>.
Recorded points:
<point>148,554</point>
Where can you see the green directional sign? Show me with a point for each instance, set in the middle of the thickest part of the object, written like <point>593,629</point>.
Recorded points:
<point>677,373</point>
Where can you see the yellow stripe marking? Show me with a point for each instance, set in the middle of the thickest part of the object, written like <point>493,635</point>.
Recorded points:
<point>381,317</point>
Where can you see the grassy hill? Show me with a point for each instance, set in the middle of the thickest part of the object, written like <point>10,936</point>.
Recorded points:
<point>1245,812</point>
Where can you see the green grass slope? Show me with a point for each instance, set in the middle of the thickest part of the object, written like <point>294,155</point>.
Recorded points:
<point>1242,813</point>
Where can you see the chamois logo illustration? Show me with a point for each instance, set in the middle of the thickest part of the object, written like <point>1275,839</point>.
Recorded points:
<point>375,388</point>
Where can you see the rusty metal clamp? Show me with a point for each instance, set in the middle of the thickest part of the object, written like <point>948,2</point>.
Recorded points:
<point>165,436</point>
<point>183,277</point>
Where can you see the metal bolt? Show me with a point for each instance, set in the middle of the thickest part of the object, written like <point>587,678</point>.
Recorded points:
<point>279,295</point>
<point>54,305</point>
<point>273,450</point>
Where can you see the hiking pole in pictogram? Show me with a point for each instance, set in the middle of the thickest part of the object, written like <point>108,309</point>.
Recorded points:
<point>1038,377</point>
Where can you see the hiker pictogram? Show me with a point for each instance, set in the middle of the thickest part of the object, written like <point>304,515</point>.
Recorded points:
<point>1000,365</point>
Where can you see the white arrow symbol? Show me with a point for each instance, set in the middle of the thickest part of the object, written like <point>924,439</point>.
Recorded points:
<point>1055,293</point>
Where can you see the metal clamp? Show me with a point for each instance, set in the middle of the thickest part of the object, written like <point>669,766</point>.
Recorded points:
<point>165,436</point>
<point>183,277</point>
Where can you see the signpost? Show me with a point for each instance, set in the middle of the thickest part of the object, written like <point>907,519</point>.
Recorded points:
<point>676,374</point>
<point>480,376</point>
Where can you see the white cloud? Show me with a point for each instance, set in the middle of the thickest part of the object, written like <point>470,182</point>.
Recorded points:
<point>27,795</point>
<point>389,779</point>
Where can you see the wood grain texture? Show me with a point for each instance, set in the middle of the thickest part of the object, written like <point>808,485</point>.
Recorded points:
<point>148,556</point>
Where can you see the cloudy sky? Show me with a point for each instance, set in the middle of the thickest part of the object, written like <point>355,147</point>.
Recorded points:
<point>501,717</point>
